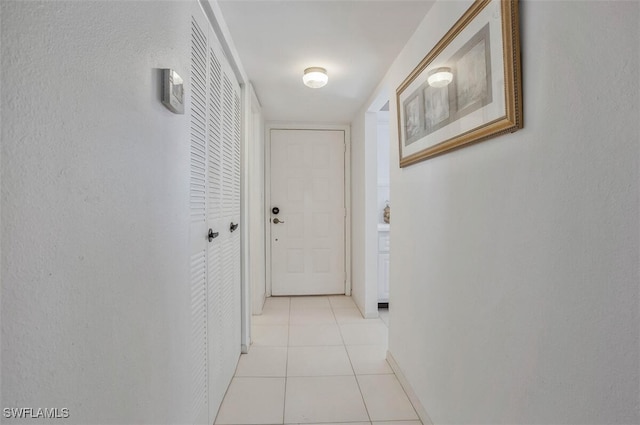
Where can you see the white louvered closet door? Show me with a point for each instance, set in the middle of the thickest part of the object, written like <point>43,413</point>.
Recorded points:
<point>215,204</point>
<point>231,214</point>
<point>216,322</point>
<point>198,228</point>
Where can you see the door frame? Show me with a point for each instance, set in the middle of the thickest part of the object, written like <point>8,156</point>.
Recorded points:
<point>254,228</point>
<point>347,192</point>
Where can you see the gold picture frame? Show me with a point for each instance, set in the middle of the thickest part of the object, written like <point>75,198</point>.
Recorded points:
<point>481,55</point>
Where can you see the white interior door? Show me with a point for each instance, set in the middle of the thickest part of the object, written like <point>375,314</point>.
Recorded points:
<point>308,233</point>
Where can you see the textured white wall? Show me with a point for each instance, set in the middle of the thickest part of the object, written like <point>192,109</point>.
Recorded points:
<point>95,178</point>
<point>515,262</point>
<point>363,212</point>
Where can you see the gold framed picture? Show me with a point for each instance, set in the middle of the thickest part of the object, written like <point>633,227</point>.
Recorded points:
<point>467,89</point>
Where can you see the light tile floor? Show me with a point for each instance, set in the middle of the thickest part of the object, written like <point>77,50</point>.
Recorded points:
<point>315,360</point>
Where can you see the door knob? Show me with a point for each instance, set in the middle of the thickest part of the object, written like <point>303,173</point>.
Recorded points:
<point>212,235</point>
<point>233,227</point>
<point>277,220</point>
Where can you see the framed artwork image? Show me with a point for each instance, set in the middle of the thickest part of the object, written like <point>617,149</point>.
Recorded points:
<point>467,89</point>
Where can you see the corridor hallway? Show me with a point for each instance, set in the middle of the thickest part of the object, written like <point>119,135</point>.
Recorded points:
<point>316,360</point>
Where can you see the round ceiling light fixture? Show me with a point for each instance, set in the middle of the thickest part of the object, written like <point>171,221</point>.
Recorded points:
<point>440,77</point>
<point>315,77</point>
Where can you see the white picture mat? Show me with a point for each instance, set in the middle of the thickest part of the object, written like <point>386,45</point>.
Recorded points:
<point>492,14</point>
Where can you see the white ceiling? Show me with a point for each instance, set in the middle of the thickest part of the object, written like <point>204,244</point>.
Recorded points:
<point>355,40</point>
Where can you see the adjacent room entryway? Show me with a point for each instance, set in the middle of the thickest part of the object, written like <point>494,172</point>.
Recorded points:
<point>307,212</point>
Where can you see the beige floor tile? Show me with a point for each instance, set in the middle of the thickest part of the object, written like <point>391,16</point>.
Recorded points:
<point>385,398</point>
<point>253,401</point>
<point>343,423</point>
<point>374,333</point>
<point>272,317</point>
<point>350,315</point>
<point>323,399</point>
<point>369,359</point>
<point>270,335</point>
<point>341,301</point>
<point>263,361</point>
<point>310,303</point>
<point>277,303</point>
<point>308,335</point>
<point>278,308</point>
<point>312,317</point>
<point>318,361</point>
<point>384,315</point>
<point>304,339</point>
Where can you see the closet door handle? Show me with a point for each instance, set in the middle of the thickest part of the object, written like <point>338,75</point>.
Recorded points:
<point>233,227</point>
<point>212,235</point>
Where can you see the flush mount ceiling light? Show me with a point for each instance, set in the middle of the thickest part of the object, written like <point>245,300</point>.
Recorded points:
<point>440,77</point>
<point>315,77</point>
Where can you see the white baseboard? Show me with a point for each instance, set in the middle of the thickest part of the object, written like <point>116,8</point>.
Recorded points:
<point>422,413</point>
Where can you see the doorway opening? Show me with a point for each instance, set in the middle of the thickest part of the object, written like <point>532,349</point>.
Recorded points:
<point>383,209</point>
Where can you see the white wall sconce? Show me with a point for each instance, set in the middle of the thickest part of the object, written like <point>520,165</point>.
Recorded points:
<point>440,77</point>
<point>315,77</point>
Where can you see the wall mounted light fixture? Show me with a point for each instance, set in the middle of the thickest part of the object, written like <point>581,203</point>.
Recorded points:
<point>172,91</point>
<point>440,77</point>
<point>315,77</point>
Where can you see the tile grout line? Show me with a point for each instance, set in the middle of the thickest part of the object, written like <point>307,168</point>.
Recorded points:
<point>366,409</point>
<point>336,321</point>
